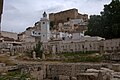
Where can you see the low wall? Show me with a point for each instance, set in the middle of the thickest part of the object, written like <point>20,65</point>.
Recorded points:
<point>70,69</point>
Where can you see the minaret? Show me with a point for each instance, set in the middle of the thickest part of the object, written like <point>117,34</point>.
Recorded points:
<point>45,28</point>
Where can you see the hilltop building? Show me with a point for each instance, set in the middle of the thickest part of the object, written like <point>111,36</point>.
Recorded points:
<point>55,41</point>
<point>69,21</point>
<point>73,25</point>
<point>40,31</point>
<point>66,15</point>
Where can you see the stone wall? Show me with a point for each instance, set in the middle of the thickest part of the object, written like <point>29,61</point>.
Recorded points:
<point>69,69</point>
<point>72,71</point>
<point>83,45</point>
<point>64,16</point>
<point>37,71</point>
<point>9,34</point>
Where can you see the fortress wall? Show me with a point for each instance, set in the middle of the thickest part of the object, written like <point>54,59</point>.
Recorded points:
<point>64,16</point>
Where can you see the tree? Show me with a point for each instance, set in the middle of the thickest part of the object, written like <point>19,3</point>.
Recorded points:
<point>94,26</point>
<point>108,24</point>
<point>111,18</point>
<point>38,49</point>
<point>52,23</point>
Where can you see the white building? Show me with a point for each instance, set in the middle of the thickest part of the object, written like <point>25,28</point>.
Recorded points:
<point>45,28</point>
<point>41,31</point>
<point>73,25</point>
<point>95,44</point>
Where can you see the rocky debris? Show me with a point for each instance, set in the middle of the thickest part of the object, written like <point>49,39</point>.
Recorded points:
<point>87,76</point>
<point>62,77</point>
<point>37,74</point>
<point>70,71</point>
<point>116,67</point>
<point>116,75</point>
<point>73,78</point>
<point>112,56</point>
<point>2,65</point>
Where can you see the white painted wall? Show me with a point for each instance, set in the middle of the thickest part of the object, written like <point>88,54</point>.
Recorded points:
<point>45,29</point>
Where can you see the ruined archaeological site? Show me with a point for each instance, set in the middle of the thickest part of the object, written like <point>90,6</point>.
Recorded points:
<point>72,43</point>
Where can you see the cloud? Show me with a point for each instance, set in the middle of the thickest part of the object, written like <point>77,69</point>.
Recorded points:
<point>20,14</point>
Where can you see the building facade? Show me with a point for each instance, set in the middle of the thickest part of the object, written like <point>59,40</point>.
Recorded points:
<point>97,45</point>
<point>73,25</point>
<point>39,32</point>
<point>66,15</point>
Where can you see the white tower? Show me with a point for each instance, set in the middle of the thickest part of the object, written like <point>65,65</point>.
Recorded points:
<point>45,28</point>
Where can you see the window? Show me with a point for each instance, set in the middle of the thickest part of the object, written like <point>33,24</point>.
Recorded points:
<point>38,33</point>
<point>33,32</point>
<point>43,22</point>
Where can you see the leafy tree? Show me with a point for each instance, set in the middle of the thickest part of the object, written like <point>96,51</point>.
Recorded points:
<point>94,25</point>
<point>106,25</point>
<point>38,49</point>
<point>111,18</point>
<point>52,23</point>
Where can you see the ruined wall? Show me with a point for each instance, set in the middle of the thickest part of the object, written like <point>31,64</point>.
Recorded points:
<point>72,71</point>
<point>88,44</point>
<point>69,69</point>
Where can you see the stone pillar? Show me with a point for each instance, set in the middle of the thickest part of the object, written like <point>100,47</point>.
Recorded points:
<point>73,70</point>
<point>34,55</point>
<point>100,76</point>
<point>44,68</point>
<point>43,56</point>
<point>53,51</point>
<point>40,75</point>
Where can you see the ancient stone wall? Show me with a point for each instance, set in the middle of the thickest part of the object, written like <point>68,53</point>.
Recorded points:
<point>37,71</point>
<point>64,16</point>
<point>69,69</point>
<point>72,71</point>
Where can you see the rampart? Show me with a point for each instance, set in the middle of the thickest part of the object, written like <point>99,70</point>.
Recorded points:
<point>66,15</point>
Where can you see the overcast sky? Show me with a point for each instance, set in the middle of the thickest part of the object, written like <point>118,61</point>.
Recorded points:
<point>20,14</point>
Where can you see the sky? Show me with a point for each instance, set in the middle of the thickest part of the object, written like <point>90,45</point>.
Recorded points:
<point>20,14</point>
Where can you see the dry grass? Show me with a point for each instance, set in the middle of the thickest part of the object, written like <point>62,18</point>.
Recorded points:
<point>5,59</point>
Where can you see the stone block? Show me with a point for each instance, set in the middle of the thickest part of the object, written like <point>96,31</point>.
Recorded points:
<point>62,77</point>
<point>73,78</point>
<point>87,76</point>
<point>116,67</point>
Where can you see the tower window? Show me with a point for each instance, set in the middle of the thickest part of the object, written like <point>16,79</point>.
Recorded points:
<point>43,22</point>
<point>68,19</point>
<point>33,32</point>
<point>38,33</point>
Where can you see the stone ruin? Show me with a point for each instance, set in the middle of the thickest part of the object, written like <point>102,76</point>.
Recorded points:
<point>69,71</point>
<point>112,56</point>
